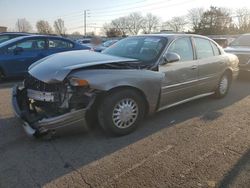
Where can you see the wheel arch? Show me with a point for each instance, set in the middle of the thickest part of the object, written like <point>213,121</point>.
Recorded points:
<point>230,73</point>
<point>139,91</point>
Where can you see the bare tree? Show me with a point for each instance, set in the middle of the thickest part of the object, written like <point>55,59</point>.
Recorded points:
<point>59,26</point>
<point>111,31</point>
<point>119,24</point>
<point>135,22</point>
<point>176,24</point>
<point>243,19</point>
<point>22,25</point>
<point>215,21</point>
<point>76,33</point>
<point>43,27</point>
<point>151,22</point>
<point>194,17</point>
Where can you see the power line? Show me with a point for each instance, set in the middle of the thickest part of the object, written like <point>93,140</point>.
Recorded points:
<point>114,7</point>
<point>133,7</point>
<point>149,8</point>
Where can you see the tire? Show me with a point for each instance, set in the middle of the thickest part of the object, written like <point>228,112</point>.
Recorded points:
<point>121,111</point>
<point>2,76</point>
<point>223,86</point>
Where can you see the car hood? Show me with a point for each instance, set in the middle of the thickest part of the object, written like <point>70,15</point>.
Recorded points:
<point>238,49</point>
<point>55,68</point>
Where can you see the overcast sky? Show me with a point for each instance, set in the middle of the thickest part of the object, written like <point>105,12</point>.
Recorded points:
<point>100,11</point>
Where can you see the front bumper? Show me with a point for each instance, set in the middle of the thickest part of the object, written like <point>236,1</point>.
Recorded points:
<point>35,125</point>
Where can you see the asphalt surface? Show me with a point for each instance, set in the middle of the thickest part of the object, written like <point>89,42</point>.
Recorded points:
<point>204,143</point>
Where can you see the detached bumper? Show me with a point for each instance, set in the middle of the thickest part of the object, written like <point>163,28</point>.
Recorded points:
<point>33,124</point>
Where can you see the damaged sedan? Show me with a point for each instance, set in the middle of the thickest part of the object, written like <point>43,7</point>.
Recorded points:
<point>137,76</point>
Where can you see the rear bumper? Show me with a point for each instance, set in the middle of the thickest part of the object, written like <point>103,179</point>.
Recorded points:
<point>33,124</point>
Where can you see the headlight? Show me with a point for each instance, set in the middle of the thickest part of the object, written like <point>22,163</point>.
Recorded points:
<point>78,82</point>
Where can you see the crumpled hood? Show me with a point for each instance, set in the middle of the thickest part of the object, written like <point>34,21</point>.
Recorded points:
<point>237,49</point>
<point>56,67</point>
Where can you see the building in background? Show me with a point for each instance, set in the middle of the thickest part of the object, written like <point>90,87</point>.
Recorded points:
<point>3,29</point>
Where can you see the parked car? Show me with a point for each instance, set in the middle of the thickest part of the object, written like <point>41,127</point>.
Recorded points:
<point>10,35</point>
<point>17,54</point>
<point>105,45</point>
<point>85,41</point>
<point>140,75</point>
<point>223,42</point>
<point>241,47</point>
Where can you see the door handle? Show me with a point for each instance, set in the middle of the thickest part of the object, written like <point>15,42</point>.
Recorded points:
<point>194,67</point>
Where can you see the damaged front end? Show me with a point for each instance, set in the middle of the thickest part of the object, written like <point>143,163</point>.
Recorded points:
<point>47,106</point>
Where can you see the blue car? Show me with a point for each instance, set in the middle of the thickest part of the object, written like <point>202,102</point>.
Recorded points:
<point>10,35</point>
<point>16,55</point>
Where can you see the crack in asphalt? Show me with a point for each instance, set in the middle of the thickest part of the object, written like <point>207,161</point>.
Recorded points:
<point>233,151</point>
<point>71,166</point>
<point>136,165</point>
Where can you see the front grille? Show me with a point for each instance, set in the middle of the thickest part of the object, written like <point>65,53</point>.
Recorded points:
<point>243,58</point>
<point>31,82</point>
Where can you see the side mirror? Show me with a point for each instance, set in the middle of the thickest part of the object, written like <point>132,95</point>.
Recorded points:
<point>18,50</point>
<point>170,57</point>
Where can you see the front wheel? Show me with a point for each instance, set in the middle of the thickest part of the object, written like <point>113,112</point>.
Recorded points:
<point>223,86</point>
<point>120,111</point>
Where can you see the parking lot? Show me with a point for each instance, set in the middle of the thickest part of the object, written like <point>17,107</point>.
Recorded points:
<point>204,143</point>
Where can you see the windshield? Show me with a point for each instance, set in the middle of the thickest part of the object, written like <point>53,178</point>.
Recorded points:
<point>4,38</point>
<point>243,40</point>
<point>108,43</point>
<point>9,41</point>
<point>145,49</point>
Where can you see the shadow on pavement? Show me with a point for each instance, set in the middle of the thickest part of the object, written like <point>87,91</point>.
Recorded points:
<point>74,147</point>
<point>10,83</point>
<point>239,174</point>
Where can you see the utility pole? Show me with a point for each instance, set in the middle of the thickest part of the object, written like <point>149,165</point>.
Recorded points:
<point>86,14</point>
<point>85,24</point>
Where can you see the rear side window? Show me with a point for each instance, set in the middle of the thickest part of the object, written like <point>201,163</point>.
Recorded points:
<point>32,44</point>
<point>215,49</point>
<point>57,43</point>
<point>183,48</point>
<point>203,48</point>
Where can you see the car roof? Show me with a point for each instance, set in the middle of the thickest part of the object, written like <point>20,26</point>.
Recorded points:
<point>174,35</point>
<point>15,33</point>
<point>31,36</point>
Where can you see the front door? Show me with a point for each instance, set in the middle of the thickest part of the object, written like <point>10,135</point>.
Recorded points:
<point>22,54</point>
<point>181,77</point>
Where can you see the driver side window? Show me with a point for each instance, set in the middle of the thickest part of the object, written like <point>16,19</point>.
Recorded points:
<point>183,47</point>
<point>32,44</point>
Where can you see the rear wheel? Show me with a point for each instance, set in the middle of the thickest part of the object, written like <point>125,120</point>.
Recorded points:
<point>121,111</point>
<point>223,86</point>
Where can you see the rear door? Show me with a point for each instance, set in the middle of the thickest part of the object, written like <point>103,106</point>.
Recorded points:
<point>210,64</point>
<point>32,49</point>
<point>56,45</point>
<point>181,77</point>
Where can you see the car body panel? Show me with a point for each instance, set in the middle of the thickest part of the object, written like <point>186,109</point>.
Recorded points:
<point>243,53</point>
<point>242,50</point>
<point>144,80</point>
<point>179,77</point>
<point>163,85</point>
<point>17,64</point>
<point>64,63</point>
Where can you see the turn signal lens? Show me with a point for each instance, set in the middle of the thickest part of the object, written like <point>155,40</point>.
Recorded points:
<point>78,82</point>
